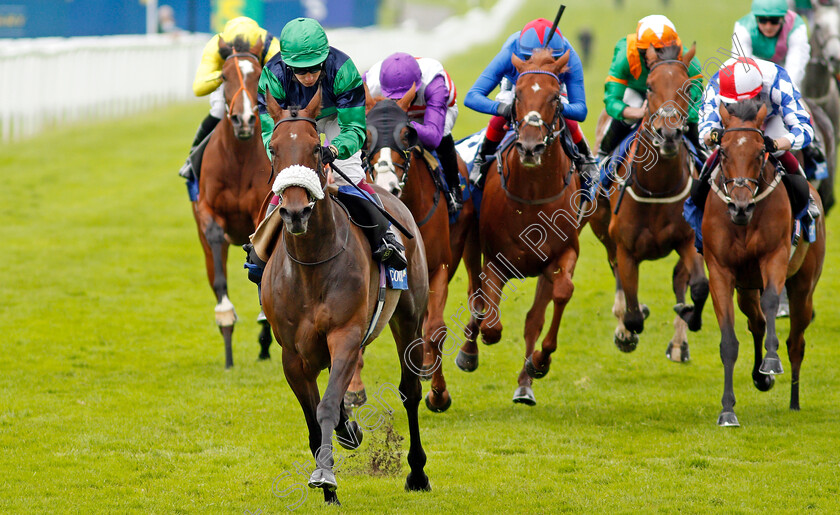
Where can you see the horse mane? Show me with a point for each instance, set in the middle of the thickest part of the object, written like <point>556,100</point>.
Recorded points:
<point>669,53</point>
<point>541,57</point>
<point>745,110</point>
<point>239,45</point>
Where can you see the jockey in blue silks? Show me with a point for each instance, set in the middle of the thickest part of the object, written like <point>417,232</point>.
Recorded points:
<point>501,71</point>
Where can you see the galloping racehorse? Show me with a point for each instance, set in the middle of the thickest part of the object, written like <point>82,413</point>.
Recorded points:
<point>747,231</point>
<point>528,223</point>
<point>319,293</point>
<point>820,88</point>
<point>643,219</point>
<point>400,167</point>
<point>233,183</point>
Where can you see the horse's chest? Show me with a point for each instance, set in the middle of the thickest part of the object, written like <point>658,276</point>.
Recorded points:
<point>529,236</point>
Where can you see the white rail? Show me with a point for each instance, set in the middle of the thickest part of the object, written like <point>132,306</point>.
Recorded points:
<point>51,81</point>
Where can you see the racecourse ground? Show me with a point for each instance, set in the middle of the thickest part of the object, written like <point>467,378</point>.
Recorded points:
<point>113,394</point>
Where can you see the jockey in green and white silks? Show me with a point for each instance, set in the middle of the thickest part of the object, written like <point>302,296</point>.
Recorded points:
<point>306,64</point>
<point>774,33</point>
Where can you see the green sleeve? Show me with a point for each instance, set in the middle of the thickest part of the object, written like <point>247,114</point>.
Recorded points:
<point>350,102</point>
<point>695,72</point>
<point>617,79</point>
<point>268,83</point>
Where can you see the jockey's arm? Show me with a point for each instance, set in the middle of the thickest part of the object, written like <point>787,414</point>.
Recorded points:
<point>350,102</point>
<point>268,83</point>
<point>616,83</point>
<point>430,132</point>
<point>695,75</point>
<point>573,78</point>
<point>792,110</point>
<point>741,41</point>
<point>709,114</point>
<point>798,54</point>
<point>500,66</point>
<point>273,47</point>
<point>208,76</point>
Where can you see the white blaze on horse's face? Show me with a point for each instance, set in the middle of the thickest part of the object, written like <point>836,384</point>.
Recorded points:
<point>386,172</point>
<point>247,67</point>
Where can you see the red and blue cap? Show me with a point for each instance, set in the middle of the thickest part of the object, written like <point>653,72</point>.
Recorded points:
<point>536,33</point>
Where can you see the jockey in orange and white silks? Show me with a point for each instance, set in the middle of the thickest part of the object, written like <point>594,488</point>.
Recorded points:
<point>208,77</point>
<point>433,111</point>
<point>774,33</point>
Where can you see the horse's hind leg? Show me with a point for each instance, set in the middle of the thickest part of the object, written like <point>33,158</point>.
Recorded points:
<point>356,395</point>
<point>305,388</point>
<point>406,326</point>
<point>215,245</point>
<point>750,304</point>
<point>677,350</point>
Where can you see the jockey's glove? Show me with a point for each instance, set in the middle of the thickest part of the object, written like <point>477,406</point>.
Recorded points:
<point>770,144</point>
<point>715,136</point>
<point>504,110</point>
<point>328,154</point>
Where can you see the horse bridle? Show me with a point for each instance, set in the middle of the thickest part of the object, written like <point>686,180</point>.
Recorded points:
<point>537,120</point>
<point>295,117</point>
<point>725,194</point>
<point>663,111</point>
<point>236,56</point>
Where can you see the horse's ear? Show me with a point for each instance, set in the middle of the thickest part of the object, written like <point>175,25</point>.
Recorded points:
<point>369,102</point>
<point>314,108</point>
<point>561,64</point>
<point>688,56</point>
<point>273,107</point>
<point>762,114</point>
<point>408,98</point>
<point>224,49</point>
<point>724,115</point>
<point>518,63</point>
<point>651,57</point>
<point>258,47</point>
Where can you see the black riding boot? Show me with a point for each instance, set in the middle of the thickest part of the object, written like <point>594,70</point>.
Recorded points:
<point>616,132</point>
<point>587,167</point>
<point>449,160</point>
<point>479,170</point>
<point>701,187</point>
<point>373,223</point>
<point>693,135</point>
<point>207,125</point>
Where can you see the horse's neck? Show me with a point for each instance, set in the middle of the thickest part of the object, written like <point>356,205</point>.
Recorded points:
<point>534,182</point>
<point>418,186</point>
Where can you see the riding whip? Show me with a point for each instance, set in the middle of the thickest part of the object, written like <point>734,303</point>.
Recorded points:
<point>556,23</point>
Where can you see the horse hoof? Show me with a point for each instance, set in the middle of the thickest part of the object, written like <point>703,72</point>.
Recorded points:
<point>323,478</point>
<point>677,353</point>
<point>764,383</point>
<point>350,436</point>
<point>490,339</point>
<point>627,344</point>
<point>645,310</point>
<point>532,370</point>
<point>728,419</point>
<point>771,365</point>
<point>524,395</point>
<point>355,399</point>
<point>466,362</point>
<point>438,409</point>
<point>417,484</point>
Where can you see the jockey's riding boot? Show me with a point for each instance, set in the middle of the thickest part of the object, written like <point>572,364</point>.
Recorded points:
<point>617,130</point>
<point>479,170</point>
<point>815,162</point>
<point>391,252</point>
<point>207,125</point>
<point>449,159</point>
<point>700,188</point>
<point>587,167</point>
<point>693,136</point>
<point>813,209</point>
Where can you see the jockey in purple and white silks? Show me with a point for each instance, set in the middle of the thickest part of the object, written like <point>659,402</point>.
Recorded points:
<point>522,44</point>
<point>432,112</point>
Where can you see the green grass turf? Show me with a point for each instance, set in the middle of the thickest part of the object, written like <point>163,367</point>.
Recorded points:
<point>113,395</point>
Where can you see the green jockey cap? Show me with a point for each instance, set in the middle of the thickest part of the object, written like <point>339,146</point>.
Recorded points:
<point>303,43</point>
<point>774,8</point>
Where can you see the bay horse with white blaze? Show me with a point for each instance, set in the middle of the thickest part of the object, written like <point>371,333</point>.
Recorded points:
<point>400,166</point>
<point>747,229</point>
<point>233,182</point>
<point>535,192</point>
<point>319,292</point>
<point>642,219</point>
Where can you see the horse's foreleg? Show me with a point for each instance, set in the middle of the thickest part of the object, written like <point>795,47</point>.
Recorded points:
<point>692,261</point>
<point>722,284</point>
<point>773,271</point>
<point>467,359</point>
<point>215,245</point>
<point>628,274</point>
<point>538,363</point>
<point>490,293</point>
<point>533,327</point>
<point>749,303</point>
<point>677,349</point>
<point>343,344</point>
<point>438,398</point>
